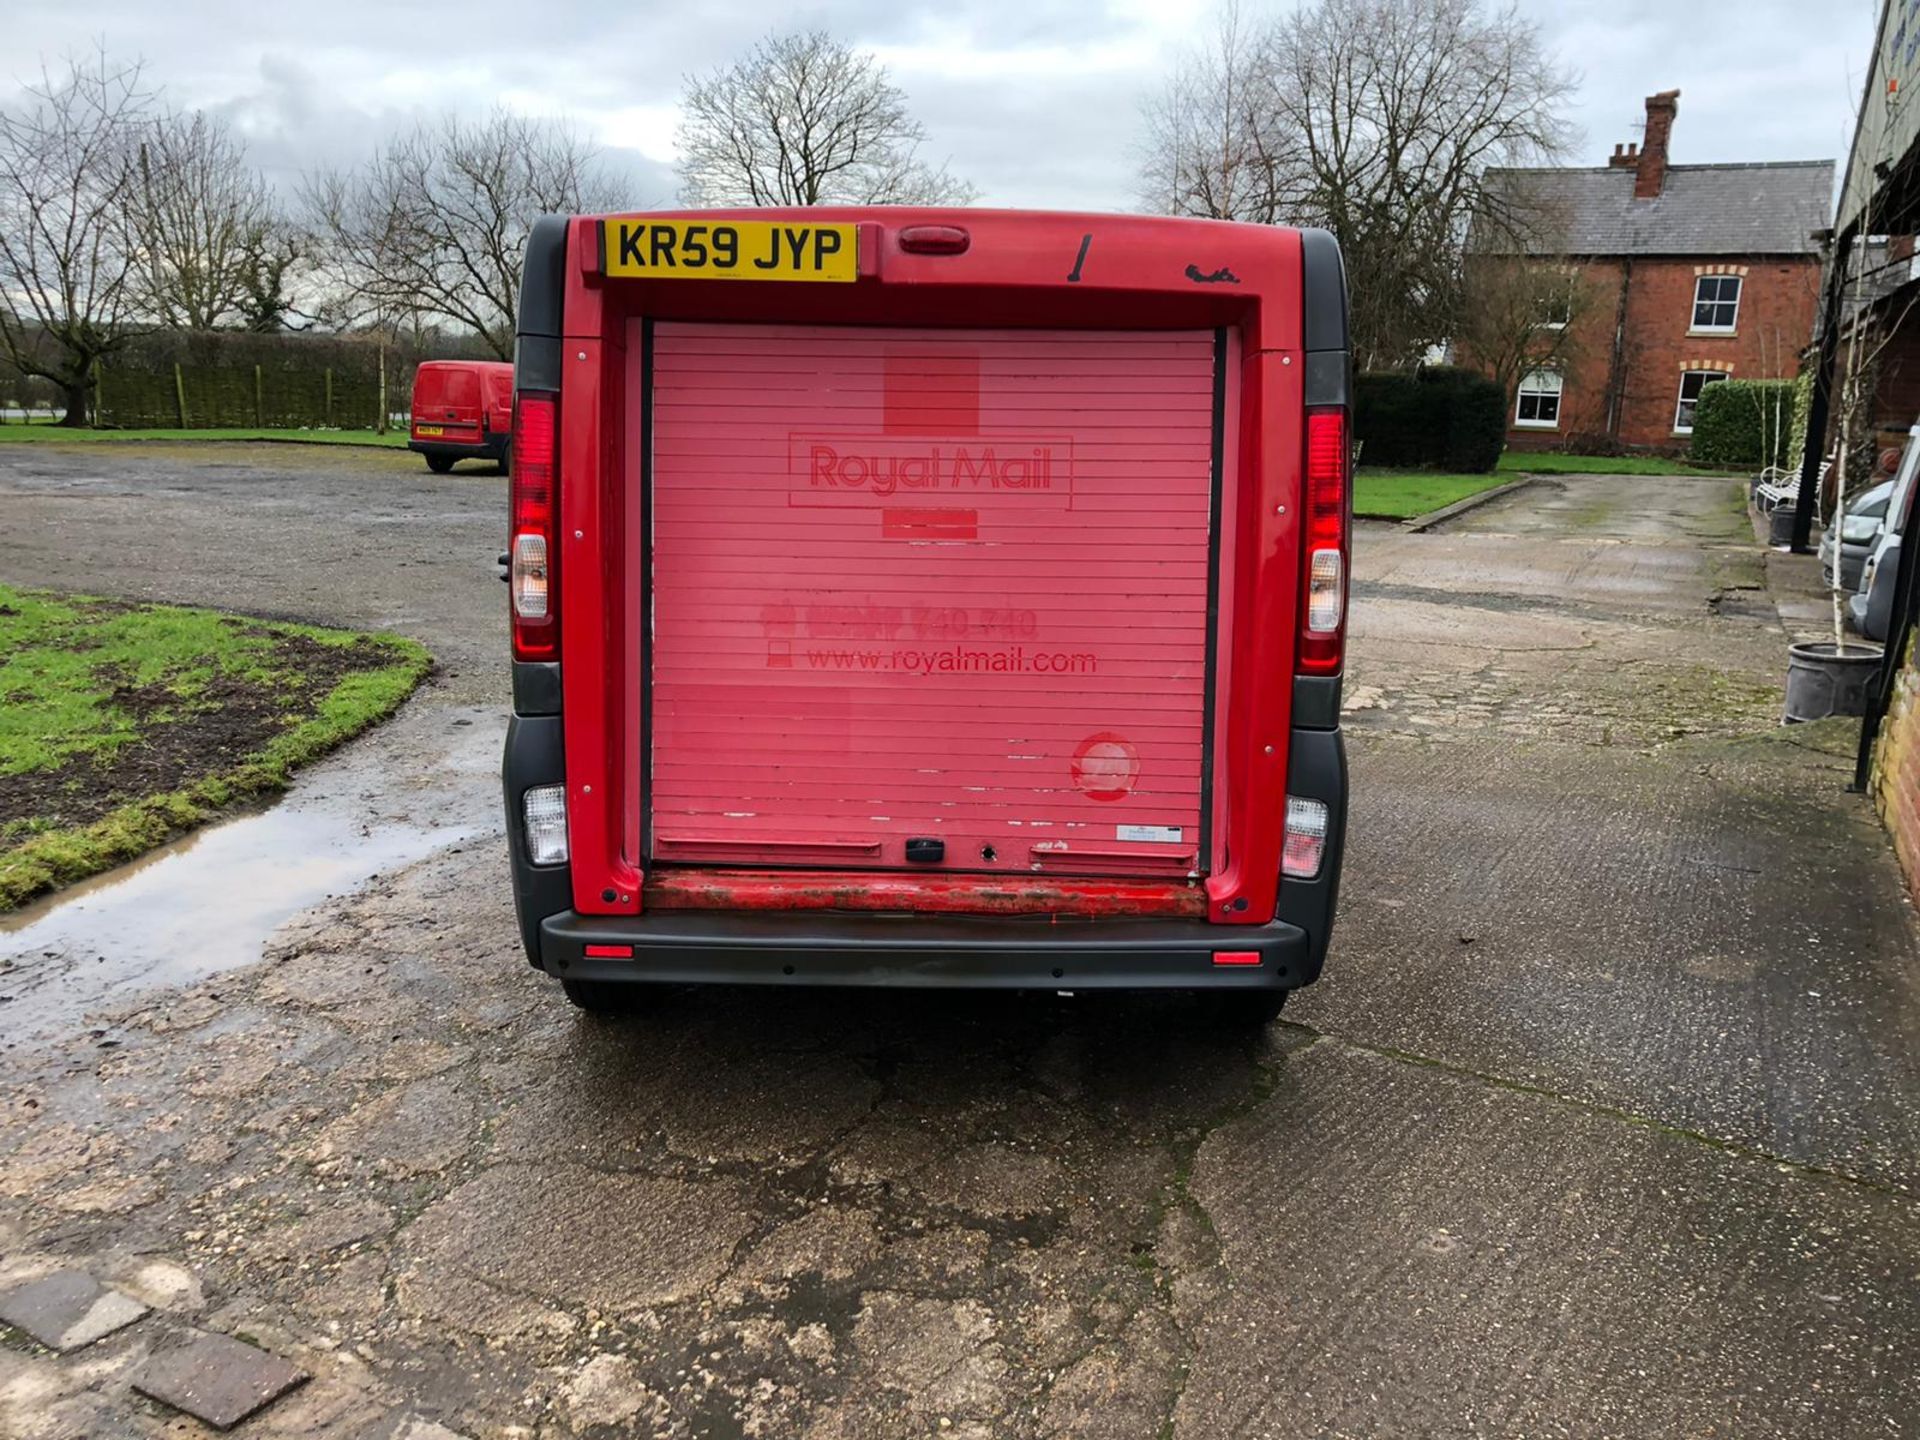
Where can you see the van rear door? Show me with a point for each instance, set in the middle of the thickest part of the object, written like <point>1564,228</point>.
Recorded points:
<point>446,401</point>
<point>932,598</point>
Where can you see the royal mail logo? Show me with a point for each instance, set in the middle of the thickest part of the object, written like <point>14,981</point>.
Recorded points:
<point>864,470</point>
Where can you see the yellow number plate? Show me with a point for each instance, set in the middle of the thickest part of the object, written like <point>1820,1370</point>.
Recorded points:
<point>430,429</point>
<point>729,250</point>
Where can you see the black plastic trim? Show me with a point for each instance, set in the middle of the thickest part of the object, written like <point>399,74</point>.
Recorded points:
<point>536,687</point>
<point>535,755</point>
<point>692,947</point>
<point>1317,770</point>
<point>1323,316</point>
<point>493,447</point>
<point>1328,378</point>
<point>536,364</point>
<point>543,279</point>
<point>540,323</point>
<point>1316,702</point>
<point>1209,689</point>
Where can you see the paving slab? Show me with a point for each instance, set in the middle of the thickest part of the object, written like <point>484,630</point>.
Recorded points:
<point>217,1379</point>
<point>68,1310</point>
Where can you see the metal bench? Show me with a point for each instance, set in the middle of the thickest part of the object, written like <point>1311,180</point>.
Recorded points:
<point>1776,486</point>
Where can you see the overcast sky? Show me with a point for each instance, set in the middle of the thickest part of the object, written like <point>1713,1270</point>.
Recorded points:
<point>1035,101</point>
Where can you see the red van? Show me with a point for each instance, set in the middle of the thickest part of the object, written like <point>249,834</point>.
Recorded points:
<point>462,410</point>
<point>928,598</point>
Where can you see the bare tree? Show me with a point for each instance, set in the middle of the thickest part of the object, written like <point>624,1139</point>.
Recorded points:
<point>66,261</point>
<point>805,120</point>
<point>213,250</point>
<point>1520,314</point>
<point>1377,119</point>
<point>1209,136</point>
<point>435,225</point>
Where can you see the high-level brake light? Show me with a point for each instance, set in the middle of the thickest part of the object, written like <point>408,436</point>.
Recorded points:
<point>536,517</point>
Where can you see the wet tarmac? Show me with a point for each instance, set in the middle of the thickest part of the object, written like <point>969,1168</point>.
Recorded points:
<point>210,901</point>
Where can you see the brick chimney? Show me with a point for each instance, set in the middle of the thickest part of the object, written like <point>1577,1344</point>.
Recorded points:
<point>1650,175</point>
<point>1625,157</point>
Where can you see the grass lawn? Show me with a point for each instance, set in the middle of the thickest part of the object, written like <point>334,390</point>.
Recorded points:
<point>122,725</point>
<point>1548,463</point>
<point>60,435</point>
<point>1403,494</point>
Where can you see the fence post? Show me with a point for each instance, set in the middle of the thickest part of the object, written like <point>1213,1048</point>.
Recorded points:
<point>380,425</point>
<point>259,399</point>
<point>180,393</point>
<point>329,397</point>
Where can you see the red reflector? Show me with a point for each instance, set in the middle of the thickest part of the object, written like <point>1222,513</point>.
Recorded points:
<point>609,952</point>
<point>1236,957</point>
<point>935,240</point>
<point>1327,460</point>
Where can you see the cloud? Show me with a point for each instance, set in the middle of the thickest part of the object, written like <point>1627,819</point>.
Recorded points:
<point>1035,101</point>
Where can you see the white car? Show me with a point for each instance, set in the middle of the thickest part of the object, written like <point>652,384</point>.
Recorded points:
<point>1855,536</point>
<point>1871,610</point>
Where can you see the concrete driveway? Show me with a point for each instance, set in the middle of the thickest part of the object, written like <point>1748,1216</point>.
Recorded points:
<point>1604,1121</point>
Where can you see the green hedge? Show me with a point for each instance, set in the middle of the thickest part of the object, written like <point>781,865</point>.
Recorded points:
<point>234,379</point>
<point>1440,418</point>
<point>1735,420</point>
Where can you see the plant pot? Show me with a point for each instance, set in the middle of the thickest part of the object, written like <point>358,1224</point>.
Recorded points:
<point>1780,524</point>
<point>1824,681</point>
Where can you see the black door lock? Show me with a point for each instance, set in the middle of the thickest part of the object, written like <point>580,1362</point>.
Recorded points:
<point>926,852</point>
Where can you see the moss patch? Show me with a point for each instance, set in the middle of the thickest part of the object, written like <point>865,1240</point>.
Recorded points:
<point>122,725</point>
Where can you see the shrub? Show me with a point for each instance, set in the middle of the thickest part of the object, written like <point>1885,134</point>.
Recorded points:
<point>1802,412</point>
<point>1735,422</point>
<point>1442,418</point>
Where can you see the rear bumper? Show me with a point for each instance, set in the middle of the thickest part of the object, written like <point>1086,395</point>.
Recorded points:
<point>488,447</point>
<point>687,947</point>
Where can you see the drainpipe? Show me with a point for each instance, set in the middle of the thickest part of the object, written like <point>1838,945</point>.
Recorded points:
<point>1816,443</point>
<point>1617,360</point>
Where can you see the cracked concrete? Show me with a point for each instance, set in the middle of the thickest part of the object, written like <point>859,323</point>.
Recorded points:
<point>1603,1120</point>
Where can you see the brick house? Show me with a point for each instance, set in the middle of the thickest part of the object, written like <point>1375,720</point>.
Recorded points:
<point>1684,274</point>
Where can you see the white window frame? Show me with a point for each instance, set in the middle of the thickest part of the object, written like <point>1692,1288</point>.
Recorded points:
<point>1564,302</point>
<point>1681,400</point>
<point>1739,293</point>
<point>1527,388</point>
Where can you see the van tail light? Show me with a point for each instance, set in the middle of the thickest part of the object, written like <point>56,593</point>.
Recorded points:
<point>1323,601</point>
<point>535,542</point>
<point>1306,838</point>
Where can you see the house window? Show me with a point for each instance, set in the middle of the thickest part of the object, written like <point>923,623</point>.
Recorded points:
<point>1716,303</point>
<point>1554,310</point>
<point>1692,382</point>
<point>1539,405</point>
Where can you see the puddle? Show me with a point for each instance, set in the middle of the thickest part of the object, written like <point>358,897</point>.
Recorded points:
<point>210,901</point>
